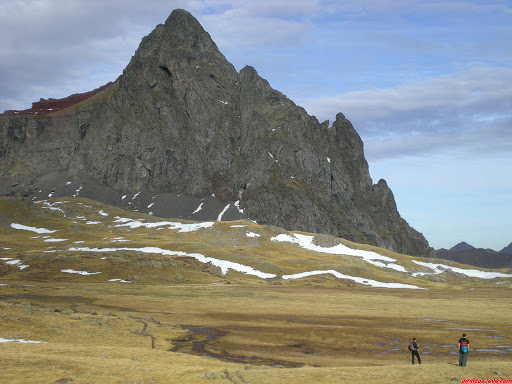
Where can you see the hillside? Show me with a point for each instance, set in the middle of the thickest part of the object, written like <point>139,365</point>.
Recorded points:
<point>100,294</point>
<point>66,239</point>
<point>183,127</point>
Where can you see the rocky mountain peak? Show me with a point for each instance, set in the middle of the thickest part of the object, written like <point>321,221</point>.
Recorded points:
<point>181,31</point>
<point>182,122</point>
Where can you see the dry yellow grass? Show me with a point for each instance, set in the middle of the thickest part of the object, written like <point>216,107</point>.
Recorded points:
<point>185,322</point>
<point>96,332</point>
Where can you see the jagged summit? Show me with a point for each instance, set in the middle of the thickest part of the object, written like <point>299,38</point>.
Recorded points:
<point>181,37</point>
<point>183,124</point>
<point>182,17</point>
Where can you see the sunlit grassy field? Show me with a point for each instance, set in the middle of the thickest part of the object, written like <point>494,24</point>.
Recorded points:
<point>183,321</point>
<point>98,332</point>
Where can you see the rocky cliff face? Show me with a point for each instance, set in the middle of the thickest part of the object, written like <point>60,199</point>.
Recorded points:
<point>182,121</point>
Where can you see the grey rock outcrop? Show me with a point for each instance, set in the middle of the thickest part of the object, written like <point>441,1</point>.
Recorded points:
<point>182,121</point>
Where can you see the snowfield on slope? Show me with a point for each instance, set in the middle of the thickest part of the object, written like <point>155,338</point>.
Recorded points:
<point>225,266</point>
<point>303,241</point>
<point>440,268</point>
<point>32,229</point>
<point>306,242</point>
<point>170,224</point>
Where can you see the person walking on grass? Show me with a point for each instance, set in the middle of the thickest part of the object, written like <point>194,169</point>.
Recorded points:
<point>463,350</point>
<point>413,347</point>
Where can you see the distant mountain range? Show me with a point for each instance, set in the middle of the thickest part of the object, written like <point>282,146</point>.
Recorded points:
<point>486,258</point>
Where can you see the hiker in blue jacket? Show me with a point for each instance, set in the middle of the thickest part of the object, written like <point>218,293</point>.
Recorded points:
<point>413,347</point>
<point>463,350</point>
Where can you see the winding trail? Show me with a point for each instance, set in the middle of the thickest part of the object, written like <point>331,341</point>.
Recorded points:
<point>143,332</point>
<point>196,341</point>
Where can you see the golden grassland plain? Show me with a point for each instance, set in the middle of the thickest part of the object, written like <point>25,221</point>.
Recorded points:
<point>181,321</point>
<point>104,333</point>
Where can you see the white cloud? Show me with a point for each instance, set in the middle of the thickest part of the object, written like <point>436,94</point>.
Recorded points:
<point>240,29</point>
<point>482,92</point>
<point>467,111</point>
<point>59,47</point>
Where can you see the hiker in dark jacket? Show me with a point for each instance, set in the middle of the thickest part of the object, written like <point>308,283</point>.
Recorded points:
<point>463,350</point>
<point>413,347</point>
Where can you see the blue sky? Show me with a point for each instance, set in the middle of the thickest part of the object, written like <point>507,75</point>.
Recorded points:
<point>427,84</point>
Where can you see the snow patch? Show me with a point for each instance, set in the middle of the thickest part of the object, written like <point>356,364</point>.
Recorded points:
<point>219,218</point>
<point>440,268</point>
<point>370,257</point>
<point>32,229</point>
<point>224,265</point>
<point>102,213</point>
<point>18,263</point>
<point>51,206</point>
<point>2,340</point>
<point>172,225</point>
<point>54,240</point>
<point>119,240</point>
<point>84,273</point>
<point>77,192</point>
<point>237,205</point>
<point>198,208</point>
<point>252,234</point>
<point>360,280</point>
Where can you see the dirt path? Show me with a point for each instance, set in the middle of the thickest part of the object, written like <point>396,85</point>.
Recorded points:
<point>143,332</point>
<point>198,339</point>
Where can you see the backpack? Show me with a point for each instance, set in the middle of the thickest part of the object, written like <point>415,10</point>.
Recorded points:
<point>464,346</point>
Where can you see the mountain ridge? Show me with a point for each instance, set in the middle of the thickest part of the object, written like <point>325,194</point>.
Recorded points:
<point>507,249</point>
<point>462,246</point>
<point>480,257</point>
<point>137,248</point>
<point>182,122</point>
